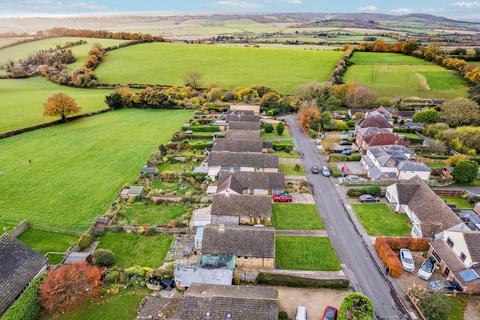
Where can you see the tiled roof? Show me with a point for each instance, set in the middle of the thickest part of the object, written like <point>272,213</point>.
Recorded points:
<point>242,205</point>
<point>242,117</point>
<point>255,180</point>
<point>245,241</point>
<point>243,134</point>
<point>243,159</point>
<point>237,145</point>
<point>244,125</point>
<point>241,302</point>
<point>384,138</point>
<point>18,266</point>
<point>472,239</point>
<point>413,166</point>
<point>374,121</point>
<point>370,131</point>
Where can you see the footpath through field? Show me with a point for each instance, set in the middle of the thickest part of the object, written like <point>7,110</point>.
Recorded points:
<point>352,251</point>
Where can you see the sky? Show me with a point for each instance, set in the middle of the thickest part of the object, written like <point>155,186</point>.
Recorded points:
<point>460,9</point>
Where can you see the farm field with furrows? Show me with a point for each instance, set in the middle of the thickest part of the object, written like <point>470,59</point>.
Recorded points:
<point>228,67</point>
<point>396,75</point>
<point>65,176</point>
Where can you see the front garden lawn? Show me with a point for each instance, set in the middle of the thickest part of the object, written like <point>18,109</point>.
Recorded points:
<point>135,249</point>
<point>46,241</point>
<point>459,202</point>
<point>173,188</point>
<point>295,216</point>
<point>284,154</point>
<point>177,167</point>
<point>274,134</point>
<point>453,306</point>
<point>66,176</point>
<point>378,220</point>
<point>291,169</point>
<point>305,253</point>
<point>140,213</point>
<point>122,305</point>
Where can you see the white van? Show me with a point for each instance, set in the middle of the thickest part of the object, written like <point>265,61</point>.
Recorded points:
<point>301,313</point>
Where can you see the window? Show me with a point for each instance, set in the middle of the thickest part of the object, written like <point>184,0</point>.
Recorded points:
<point>437,257</point>
<point>450,242</point>
<point>463,256</point>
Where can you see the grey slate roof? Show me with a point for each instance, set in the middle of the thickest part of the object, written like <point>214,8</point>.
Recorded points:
<point>370,131</point>
<point>237,145</point>
<point>244,125</point>
<point>243,134</point>
<point>241,302</point>
<point>472,239</point>
<point>245,241</point>
<point>374,121</point>
<point>242,205</point>
<point>242,159</point>
<point>242,117</point>
<point>229,182</point>
<point>413,166</point>
<point>253,180</point>
<point>18,266</point>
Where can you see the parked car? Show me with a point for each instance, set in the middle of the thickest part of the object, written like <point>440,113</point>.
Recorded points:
<point>300,154</point>
<point>315,170</point>
<point>301,313</point>
<point>426,269</point>
<point>325,171</point>
<point>407,260</point>
<point>330,313</point>
<point>345,143</point>
<point>347,152</point>
<point>284,197</point>
<point>444,286</point>
<point>340,149</point>
<point>367,198</point>
<point>354,178</point>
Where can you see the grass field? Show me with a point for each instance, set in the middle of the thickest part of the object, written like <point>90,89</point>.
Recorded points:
<point>294,216</point>
<point>22,51</point>
<point>122,305</point>
<point>289,169</point>
<point>378,220</point>
<point>305,253</point>
<point>21,101</point>
<point>459,202</point>
<point>7,41</point>
<point>135,249</point>
<point>229,67</point>
<point>65,176</point>
<point>141,213</point>
<point>394,75</point>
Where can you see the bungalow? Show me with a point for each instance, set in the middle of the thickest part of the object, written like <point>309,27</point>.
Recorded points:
<point>393,162</point>
<point>242,117</point>
<point>429,214</point>
<point>241,209</point>
<point>251,246</point>
<point>221,302</point>
<point>237,145</point>
<point>244,125</point>
<point>210,270</point>
<point>380,139</point>
<point>242,134</point>
<point>244,109</point>
<point>256,183</point>
<point>241,161</point>
<point>374,122</point>
<point>458,253</point>
<point>19,265</point>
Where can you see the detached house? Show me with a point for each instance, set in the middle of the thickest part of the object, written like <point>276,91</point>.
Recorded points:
<point>458,253</point>
<point>241,209</point>
<point>224,161</point>
<point>244,125</point>
<point>256,183</point>
<point>380,139</point>
<point>429,214</point>
<point>366,133</point>
<point>221,302</point>
<point>238,145</point>
<point>374,122</point>
<point>393,162</point>
<point>251,246</point>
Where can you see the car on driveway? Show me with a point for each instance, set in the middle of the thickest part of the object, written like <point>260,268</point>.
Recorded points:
<point>426,269</point>
<point>444,286</point>
<point>284,197</point>
<point>330,313</point>
<point>325,171</point>
<point>348,152</point>
<point>345,143</point>
<point>354,179</point>
<point>315,170</point>
<point>301,313</point>
<point>367,198</point>
<point>407,260</point>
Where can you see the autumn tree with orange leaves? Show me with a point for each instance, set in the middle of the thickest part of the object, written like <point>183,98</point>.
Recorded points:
<point>309,116</point>
<point>61,105</point>
<point>69,286</point>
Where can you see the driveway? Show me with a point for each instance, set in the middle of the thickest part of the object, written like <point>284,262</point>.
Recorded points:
<point>358,263</point>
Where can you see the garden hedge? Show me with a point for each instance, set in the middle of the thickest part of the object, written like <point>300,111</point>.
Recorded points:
<point>201,146</point>
<point>300,282</point>
<point>373,190</point>
<point>337,157</point>
<point>28,305</point>
<point>202,128</point>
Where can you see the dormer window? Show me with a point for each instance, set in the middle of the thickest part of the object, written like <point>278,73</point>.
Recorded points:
<point>450,242</point>
<point>462,256</point>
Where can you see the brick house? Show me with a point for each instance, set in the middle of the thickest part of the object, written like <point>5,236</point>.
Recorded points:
<point>241,209</point>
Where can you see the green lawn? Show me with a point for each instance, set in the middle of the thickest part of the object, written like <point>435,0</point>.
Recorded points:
<point>65,176</point>
<point>229,67</point>
<point>459,202</point>
<point>305,253</point>
<point>435,165</point>
<point>122,305</point>
<point>474,183</point>
<point>45,241</point>
<point>177,167</point>
<point>378,220</point>
<point>5,227</point>
<point>274,134</point>
<point>455,305</point>
<point>396,75</point>
<point>172,187</point>
<point>284,154</point>
<point>136,249</point>
<point>289,169</point>
<point>294,216</point>
<point>22,100</point>
<point>141,213</point>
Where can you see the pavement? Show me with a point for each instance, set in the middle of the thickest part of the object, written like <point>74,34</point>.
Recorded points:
<point>358,261</point>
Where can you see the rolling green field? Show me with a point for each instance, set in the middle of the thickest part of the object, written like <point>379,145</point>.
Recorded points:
<point>7,41</point>
<point>229,67</point>
<point>395,75</point>
<point>21,101</point>
<point>22,51</point>
<point>65,176</point>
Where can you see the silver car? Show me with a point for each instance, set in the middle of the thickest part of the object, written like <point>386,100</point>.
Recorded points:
<point>325,171</point>
<point>426,269</point>
<point>407,260</point>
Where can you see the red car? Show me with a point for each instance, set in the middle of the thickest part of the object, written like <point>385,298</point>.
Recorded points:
<point>283,197</point>
<point>330,313</point>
